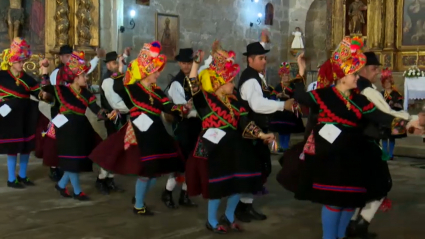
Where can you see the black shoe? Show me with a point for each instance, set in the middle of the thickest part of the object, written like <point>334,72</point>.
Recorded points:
<point>249,212</point>
<point>81,197</point>
<point>144,211</point>
<point>55,174</point>
<point>110,183</point>
<point>220,229</point>
<point>26,181</point>
<point>360,229</point>
<point>185,201</point>
<point>240,213</point>
<point>15,184</point>
<point>63,191</point>
<point>102,186</point>
<point>232,225</point>
<point>167,199</point>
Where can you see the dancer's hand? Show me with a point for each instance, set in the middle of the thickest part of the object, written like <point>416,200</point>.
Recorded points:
<point>113,115</point>
<point>301,64</point>
<point>267,137</point>
<point>265,36</point>
<point>198,56</point>
<point>288,104</point>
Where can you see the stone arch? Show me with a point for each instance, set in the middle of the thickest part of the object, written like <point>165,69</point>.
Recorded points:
<point>316,33</point>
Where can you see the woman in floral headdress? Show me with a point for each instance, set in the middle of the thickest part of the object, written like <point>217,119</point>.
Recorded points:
<point>18,116</point>
<point>74,135</point>
<point>395,101</point>
<point>143,147</point>
<point>336,171</point>
<point>285,122</point>
<point>224,162</point>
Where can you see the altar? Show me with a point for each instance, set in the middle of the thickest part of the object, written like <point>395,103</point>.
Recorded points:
<point>414,89</point>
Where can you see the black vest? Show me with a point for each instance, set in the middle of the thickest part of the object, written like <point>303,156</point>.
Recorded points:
<point>180,77</point>
<point>261,120</point>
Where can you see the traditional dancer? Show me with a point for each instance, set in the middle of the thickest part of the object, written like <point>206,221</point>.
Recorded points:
<point>186,130</point>
<point>285,123</point>
<point>75,136</point>
<point>395,101</point>
<point>255,94</point>
<point>334,153</point>
<point>143,147</point>
<point>18,118</point>
<point>359,223</point>
<point>225,164</point>
<point>110,101</point>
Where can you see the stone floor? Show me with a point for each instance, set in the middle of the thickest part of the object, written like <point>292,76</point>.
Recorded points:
<point>40,213</point>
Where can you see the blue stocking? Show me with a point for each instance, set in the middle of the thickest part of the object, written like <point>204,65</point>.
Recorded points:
<point>75,181</point>
<point>344,220</point>
<point>385,145</point>
<point>330,221</point>
<point>391,148</point>
<point>23,165</point>
<point>64,180</point>
<point>213,205</point>
<point>141,189</point>
<point>11,167</point>
<point>232,202</point>
<point>284,140</point>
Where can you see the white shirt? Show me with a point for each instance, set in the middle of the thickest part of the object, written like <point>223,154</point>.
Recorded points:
<point>114,100</point>
<point>251,91</point>
<point>379,101</point>
<point>176,94</point>
<point>93,66</point>
<point>312,86</point>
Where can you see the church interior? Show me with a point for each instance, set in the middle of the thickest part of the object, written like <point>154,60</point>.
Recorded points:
<point>393,29</point>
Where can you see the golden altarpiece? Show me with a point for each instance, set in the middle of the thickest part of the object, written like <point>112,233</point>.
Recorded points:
<point>393,29</point>
<point>49,24</point>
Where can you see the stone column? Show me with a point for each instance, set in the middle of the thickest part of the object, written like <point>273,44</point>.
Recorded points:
<point>389,24</point>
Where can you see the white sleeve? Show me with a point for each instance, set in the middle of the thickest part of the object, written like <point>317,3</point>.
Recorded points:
<point>311,86</point>
<point>263,44</point>
<point>114,100</point>
<point>53,76</point>
<point>93,64</point>
<point>379,101</point>
<point>176,93</point>
<point>251,92</point>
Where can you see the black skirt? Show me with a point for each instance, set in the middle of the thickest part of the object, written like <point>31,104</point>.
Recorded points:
<point>17,129</point>
<point>75,140</point>
<point>187,132</point>
<point>286,122</point>
<point>233,166</point>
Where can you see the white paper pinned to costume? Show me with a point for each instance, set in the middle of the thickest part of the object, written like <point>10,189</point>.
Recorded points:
<point>214,135</point>
<point>143,122</point>
<point>5,110</point>
<point>329,132</point>
<point>59,120</point>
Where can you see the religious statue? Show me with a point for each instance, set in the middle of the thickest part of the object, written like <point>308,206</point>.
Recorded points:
<point>15,18</point>
<point>167,43</point>
<point>297,43</point>
<point>355,12</point>
<point>62,22</point>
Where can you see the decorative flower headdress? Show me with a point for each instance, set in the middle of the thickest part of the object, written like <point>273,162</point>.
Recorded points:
<point>284,68</point>
<point>19,51</point>
<point>347,59</point>
<point>386,74</point>
<point>77,63</point>
<point>224,62</point>
<point>148,62</point>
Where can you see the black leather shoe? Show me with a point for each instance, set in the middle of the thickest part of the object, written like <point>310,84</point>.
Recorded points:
<point>81,197</point>
<point>254,214</point>
<point>234,226</point>
<point>110,183</point>
<point>15,184</point>
<point>241,213</point>
<point>102,186</point>
<point>167,199</point>
<point>360,229</point>
<point>63,191</point>
<point>144,211</point>
<point>25,181</point>
<point>185,201</point>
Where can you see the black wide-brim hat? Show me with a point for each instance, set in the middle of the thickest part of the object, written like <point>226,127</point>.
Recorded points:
<point>185,55</point>
<point>371,59</point>
<point>255,48</point>
<point>111,56</point>
<point>65,49</point>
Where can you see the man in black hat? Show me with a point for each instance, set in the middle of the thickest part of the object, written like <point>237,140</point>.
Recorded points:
<point>110,100</point>
<point>359,223</point>
<point>254,94</point>
<point>186,130</point>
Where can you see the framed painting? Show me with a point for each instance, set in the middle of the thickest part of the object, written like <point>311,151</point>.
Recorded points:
<point>167,33</point>
<point>411,24</point>
<point>143,2</point>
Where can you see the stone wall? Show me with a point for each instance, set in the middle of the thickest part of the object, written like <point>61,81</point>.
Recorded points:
<point>203,21</point>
